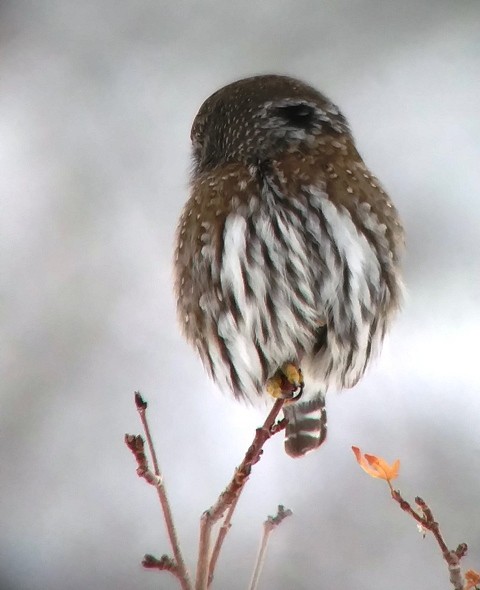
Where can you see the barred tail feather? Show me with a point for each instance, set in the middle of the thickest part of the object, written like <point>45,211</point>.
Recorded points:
<point>307,426</point>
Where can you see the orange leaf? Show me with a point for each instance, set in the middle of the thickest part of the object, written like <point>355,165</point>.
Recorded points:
<point>376,466</point>
<point>472,579</point>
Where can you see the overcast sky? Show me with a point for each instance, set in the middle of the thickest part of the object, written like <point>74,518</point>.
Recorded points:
<point>96,103</point>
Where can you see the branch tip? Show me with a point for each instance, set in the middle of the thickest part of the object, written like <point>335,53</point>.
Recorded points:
<point>281,515</point>
<point>140,402</point>
<point>461,550</point>
<point>164,563</point>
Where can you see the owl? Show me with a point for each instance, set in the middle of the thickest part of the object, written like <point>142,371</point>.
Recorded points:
<point>287,271</point>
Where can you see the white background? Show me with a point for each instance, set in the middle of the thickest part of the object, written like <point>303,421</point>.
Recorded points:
<point>96,103</point>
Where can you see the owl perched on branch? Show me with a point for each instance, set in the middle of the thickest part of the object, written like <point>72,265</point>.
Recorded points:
<point>287,257</point>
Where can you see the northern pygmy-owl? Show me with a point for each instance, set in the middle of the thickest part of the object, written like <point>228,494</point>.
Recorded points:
<point>287,251</point>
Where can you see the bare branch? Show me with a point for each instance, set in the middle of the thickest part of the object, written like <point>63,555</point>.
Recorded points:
<point>228,497</point>
<point>268,526</point>
<point>427,521</point>
<point>136,445</point>
<point>222,533</point>
<point>277,427</point>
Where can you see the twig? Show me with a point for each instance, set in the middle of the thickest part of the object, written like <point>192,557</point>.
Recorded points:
<point>164,564</point>
<point>222,533</point>
<point>228,497</point>
<point>427,521</point>
<point>142,406</point>
<point>136,445</point>
<point>268,526</point>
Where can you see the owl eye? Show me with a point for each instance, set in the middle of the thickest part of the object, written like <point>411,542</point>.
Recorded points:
<point>299,115</point>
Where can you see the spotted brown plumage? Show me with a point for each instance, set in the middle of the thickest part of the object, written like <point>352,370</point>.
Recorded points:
<point>287,249</point>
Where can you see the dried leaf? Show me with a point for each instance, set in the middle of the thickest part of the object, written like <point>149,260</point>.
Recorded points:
<point>376,466</point>
<point>472,579</point>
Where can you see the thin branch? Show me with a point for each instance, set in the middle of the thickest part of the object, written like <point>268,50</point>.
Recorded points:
<point>268,526</point>
<point>228,497</point>
<point>427,521</point>
<point>164,564</point>
<point>136,445</point>
<point>222,533</point>
<point>142,406</point>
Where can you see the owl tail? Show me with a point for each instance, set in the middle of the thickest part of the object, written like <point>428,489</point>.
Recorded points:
<point>307,426</point>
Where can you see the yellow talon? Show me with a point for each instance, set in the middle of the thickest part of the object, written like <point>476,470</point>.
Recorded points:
<point>293,374</point>
<point>286,382</point>
<point>274,386</point>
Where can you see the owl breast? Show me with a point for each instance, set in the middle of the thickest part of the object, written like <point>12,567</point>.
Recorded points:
<point>284,271</point>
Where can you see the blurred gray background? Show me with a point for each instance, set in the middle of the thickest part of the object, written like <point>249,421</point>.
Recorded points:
<point>96,103</point>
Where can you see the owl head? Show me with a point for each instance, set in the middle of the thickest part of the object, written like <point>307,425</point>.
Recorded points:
<point>261,118</point>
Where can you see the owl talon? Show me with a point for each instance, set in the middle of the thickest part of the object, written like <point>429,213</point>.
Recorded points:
<point>286,383</point>
<point>297,396</point>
